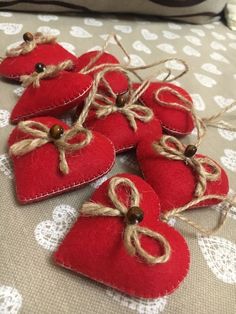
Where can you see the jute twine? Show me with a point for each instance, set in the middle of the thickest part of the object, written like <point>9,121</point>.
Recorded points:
<point>176,212</point>
<point>41,136</point>
<point>200,123</point>
<point>28,46</point>
<point>171,148</point>
<point>132,233</point>
<point>49,72</point>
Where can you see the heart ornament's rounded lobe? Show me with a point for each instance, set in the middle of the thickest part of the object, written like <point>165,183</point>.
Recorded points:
<point>174,120</point>
<point>37,173</point>
<point>48,54</point>
<point>94,247</point>
<point>53,97</point>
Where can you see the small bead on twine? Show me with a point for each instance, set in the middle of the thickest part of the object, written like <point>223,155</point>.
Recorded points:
<point>43,135</point>
<point>132,232</point>
<point>171,148</point>
<point>29,45</point>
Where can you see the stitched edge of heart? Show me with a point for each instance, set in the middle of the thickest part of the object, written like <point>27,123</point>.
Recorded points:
<point>45,110</point>
<point>170,129</point>
<point>106,284</point>
<point>69,187</point>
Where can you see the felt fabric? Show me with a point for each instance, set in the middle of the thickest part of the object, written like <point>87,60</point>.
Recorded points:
<point>117,80</point>
<point>94,248</point>
<point>48,54</point>
<point>37,174</point>
<point>53,97</point>
<point>173,180</point>
<point>117,128</point>
<point>175,121</point>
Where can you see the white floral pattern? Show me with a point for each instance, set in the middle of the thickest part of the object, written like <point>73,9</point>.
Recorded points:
<point>220,255</point>
<point>11,28</point>
<point>229,160</point>
<point>10,300</point>
<point>4,118</point>
<point>5,166</point>
<point>139,46</point>
<point>49,31</point>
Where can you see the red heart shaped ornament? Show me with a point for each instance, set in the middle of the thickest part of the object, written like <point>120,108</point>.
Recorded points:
<point>95,246</point>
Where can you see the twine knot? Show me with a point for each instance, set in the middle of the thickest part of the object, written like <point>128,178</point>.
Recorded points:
<point>43,72</point>
<point>30,42</point>
<point>132,216</point>
<point>56,135</point>
<point>171,148</point>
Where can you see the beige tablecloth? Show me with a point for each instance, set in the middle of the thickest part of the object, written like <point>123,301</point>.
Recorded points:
<point>29,282</point>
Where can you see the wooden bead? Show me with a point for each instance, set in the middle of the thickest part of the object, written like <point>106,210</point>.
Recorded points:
<point>40,67</point>
<point>134,215</point>
<point>28,37</point>
<point>56,131</point>
<point>122,99</point>
<point>190,151</point>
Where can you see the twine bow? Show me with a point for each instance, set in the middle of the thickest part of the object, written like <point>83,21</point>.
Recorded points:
<point>171,148</point>
<point>49,71</point>
<point>41,134</point>
<point>132,232</point>
<point>27,46</point>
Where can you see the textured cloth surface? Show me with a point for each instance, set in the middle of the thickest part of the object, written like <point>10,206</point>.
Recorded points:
<point>29,281</point>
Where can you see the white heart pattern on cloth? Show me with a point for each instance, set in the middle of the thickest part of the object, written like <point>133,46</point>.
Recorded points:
<point>170,35</point>
<point>111,40</point>
<point>154,306</point>
<point>10,300</point>
<point>11,28</point>
<point>4,118</point>
<point>50,233</point>
<point>68,46</point>
<point>198,31</point>
<point>190,51</point>
<point>193,40</point>
<point>167,48</point>
<point>90,21</point>
<point>218,36</point>
<point>211,68</point>
<point>139,46</point>
<point>147,35</point>
<point>175,65</point>
<point>77,31</point>
<point>135,60</point>
<point>47,18</point>
<point>218,57</point>
<point>220,255</point>
<point>205,80</point>
<point>19,91</point>
<point>174,26</point>
<point>229,160</point>
<point>222,102</point>
<point>220,207</point>
<point>5,166</point>
<point>217,46</point>
<point>227,135</point>
<point>48,30</point>
<point>198,102</point>
<point>126,29</point>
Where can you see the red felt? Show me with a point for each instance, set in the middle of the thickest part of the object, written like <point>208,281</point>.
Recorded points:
<point>53,97</point>
<point>173,180</point>
<point>14,67</point>
<point>117,128</point>
<point>174,121</point>
<point>37,174</point>
<point>94,247</point>
<point>116,80</point>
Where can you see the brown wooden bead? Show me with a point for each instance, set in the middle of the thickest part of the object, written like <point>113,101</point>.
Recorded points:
<point>190,151</point>
<point>122,99</point>
<point>39,67</point>
<point>134,215</point>
<point>28,36</point>
<point>56,131</point>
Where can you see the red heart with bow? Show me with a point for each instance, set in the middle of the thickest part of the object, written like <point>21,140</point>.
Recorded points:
<point>49,158</point>
<point>124,246</point>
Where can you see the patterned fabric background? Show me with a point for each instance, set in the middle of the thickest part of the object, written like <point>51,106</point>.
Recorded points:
<point>29,282</point>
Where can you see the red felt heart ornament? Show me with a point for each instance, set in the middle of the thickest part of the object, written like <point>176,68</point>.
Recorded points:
<point>174,119</point>
<point>54,95</point>
<point>115,252</point>
<point>47,53</point>
<point>116,79</point>
<point>177,179</point>
<point>47,163</point>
